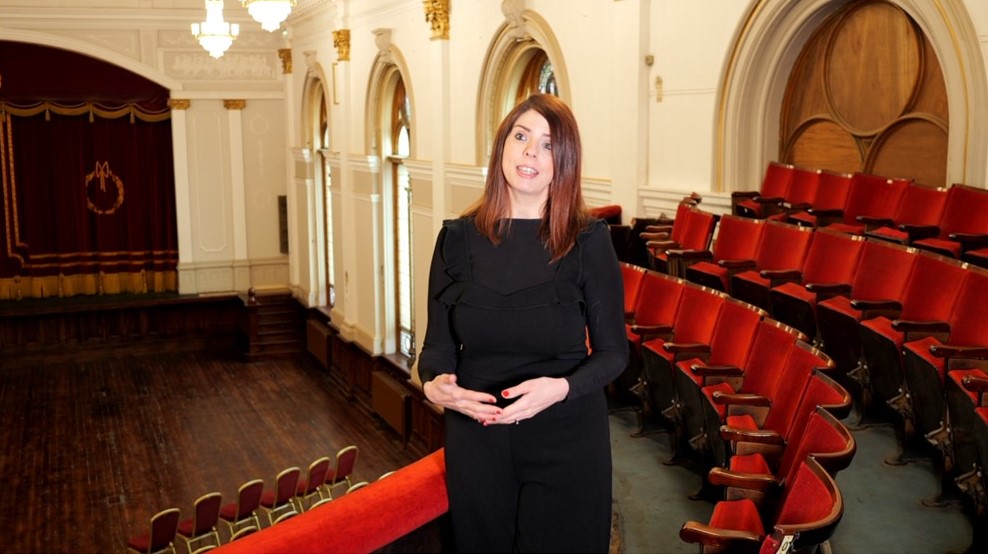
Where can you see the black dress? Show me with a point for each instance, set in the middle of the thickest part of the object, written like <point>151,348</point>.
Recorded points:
<point>499,315</point>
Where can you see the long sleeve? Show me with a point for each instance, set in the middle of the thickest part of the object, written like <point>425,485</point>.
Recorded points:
<point>603,292</point>
<point>438,349</point>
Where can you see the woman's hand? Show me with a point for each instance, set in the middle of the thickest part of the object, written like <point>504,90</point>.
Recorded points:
<point>443,391</point>
<point>533,396</point>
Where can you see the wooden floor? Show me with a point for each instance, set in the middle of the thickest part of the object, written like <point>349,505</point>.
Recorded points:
<point>90,451</point>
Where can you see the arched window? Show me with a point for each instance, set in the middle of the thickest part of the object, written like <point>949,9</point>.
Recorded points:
<point>322,146</point>
<point>401,195</point>
<point>536,77</point>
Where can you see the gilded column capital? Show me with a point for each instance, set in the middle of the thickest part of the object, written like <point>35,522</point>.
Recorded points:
<point>286,60</point>
<point>235,104</point>
<point>437,14</point>
<point>341,40</point>
<point>179,103</point>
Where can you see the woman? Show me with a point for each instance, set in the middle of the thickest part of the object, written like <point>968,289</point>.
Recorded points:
<point>516,288</point>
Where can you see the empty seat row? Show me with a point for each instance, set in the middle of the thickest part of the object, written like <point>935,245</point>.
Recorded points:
<point>292,494</point>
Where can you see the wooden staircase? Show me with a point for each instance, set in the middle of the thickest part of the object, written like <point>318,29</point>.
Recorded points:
<point>274,326</point>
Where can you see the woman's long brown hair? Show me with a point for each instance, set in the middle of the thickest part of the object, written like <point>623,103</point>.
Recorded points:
<point>564,215</point>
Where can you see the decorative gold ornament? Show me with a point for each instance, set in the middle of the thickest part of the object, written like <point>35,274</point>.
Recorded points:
<point>286,60</point>
<point>179,103</point>
<point>97,199</point>
<point>437,14</point>
<point>235,104</point>
<point>341,40</point>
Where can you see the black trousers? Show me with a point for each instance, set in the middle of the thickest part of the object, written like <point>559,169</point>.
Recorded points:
<point>543,485</point>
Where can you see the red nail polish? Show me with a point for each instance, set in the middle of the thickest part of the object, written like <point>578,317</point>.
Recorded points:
<point>504,393</point>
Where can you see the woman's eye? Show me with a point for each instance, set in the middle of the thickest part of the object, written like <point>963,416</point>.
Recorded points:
<point>547,146</point>
<point>519,136</point>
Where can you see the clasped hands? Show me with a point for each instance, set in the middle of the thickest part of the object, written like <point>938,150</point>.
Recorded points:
<point>533,396</point>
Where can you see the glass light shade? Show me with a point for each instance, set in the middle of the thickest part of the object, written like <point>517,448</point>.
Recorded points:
<point>269,13</point>
<point>214,34</point>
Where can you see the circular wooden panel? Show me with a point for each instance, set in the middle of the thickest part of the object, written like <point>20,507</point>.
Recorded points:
<point>824,144</point>
<point>916,143</point>
<point>874,53</point>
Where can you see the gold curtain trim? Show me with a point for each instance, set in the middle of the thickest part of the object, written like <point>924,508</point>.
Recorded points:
<point>90,108</point>
<point>66,286</point>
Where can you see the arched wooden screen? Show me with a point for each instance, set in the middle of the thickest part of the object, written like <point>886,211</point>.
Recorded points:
<point>867,94</point>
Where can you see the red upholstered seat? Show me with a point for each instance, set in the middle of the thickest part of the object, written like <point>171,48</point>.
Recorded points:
<point>737,239</point>
<point>920,205</point>
<point>279,503</point>
<point>309,493</point>
<point>963,226</point>
<point>927,360</point>
<point>977,257</point>
<point>831,260</point>
<point>929,296</point>
<point>697,230</point>
<point>881,276</point>
<point>766,200</point>
<point>872,199</point>
<point>803,189</point>
<point>160,535</point>
<point>691,332</point>
<point>202,525</point>
<point>341,471</point>
<point>241,516</point>
<point>829,197</point>
<point>782,247</point>
<point>810,510</point>
<point>632,277</point>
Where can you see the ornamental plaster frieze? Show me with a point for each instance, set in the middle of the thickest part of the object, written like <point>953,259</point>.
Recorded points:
<point>198,66</point>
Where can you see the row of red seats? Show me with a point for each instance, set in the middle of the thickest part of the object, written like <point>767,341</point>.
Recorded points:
<point>749,398</point>
<point>903,325</point>
<point>291,495</point>
<point>945,220</point>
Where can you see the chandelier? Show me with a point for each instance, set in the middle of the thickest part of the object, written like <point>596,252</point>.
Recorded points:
<point>214,34</point>
<point>269,13</point>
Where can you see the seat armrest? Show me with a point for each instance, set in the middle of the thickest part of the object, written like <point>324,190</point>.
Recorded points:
<point>741,399</point>
<point>726,539</point>
<point>970,241</point>
<point>663,228</point>
<point>690,255</point>
<point>752,481</point>
<point>686,348</point>
<point>977,385</point>
<point>648,236</point>
<point>662,328</point>
<point>952,351</point>
<point>919,232</point>
<point>911,326</point>
<point>886,304</point>
<point>744,194</point>
<point>831,289</point>
<point>872,221</point>
<point>832,212</point>
<point>769,199</point>
<point>781,274</point>
<point>797,207</point>
<point>716,370</point>
<point>736,264</point>
<point>757,436</point>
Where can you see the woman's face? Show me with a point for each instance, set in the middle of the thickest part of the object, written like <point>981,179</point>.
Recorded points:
<point>527,161</point>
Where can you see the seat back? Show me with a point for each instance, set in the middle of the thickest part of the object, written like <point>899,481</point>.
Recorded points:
<point>632,277</point>
<point>346,459</point>
<point>737,238</point>
<point>921,205</point>
<point>832,191</point>
<point>767,357</point>
<point>873,196</point>
<point>831,257</point>
<point>783,246</point>
<point>822,436</point>
<point>249,498</point>
<point>804,186</point>
<point>964,211</point>
<point>207,513</point>
<point>778,177</point>
<point>698,231</point>
<point>802,362</point>
<point>697,314</point>
<point>811,509</point>
<point>286,483</point>
<point>659,299</point>
<point>882,271</point>
<point>679,224</point>
<point>933,287</point>
<point>968,324</point>
<point>317,475</point>
<point>733,333</point>
<point>164,525</point>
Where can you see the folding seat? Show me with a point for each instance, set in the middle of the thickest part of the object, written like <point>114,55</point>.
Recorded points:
<point>881,275</point>
<point>811,507</point>
<point>802,191</point>
<point>963,226</point>
<point>697,230</point>
<point>831,260</point>
<point>755,381</point>
<point>693,326</point>
<point>929,295</point>
<point>737,239</point>
<point>966,391</point>
<point>733,334</point>
<point>830,196</point>
<point>766,200</point>
<point>821,436</point>
<point>279,503</point>
<point>240,516</point>
<point>655,312</point>
<point>783,247</point>
<point>920,205</point>
<point>928,360</point>
<point>977,257</point>
<point>632,277</point>
<point>871,198</point>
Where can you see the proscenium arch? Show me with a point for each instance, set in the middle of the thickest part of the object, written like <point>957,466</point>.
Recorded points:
<point>513,45</point>
<point>765,47</point>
